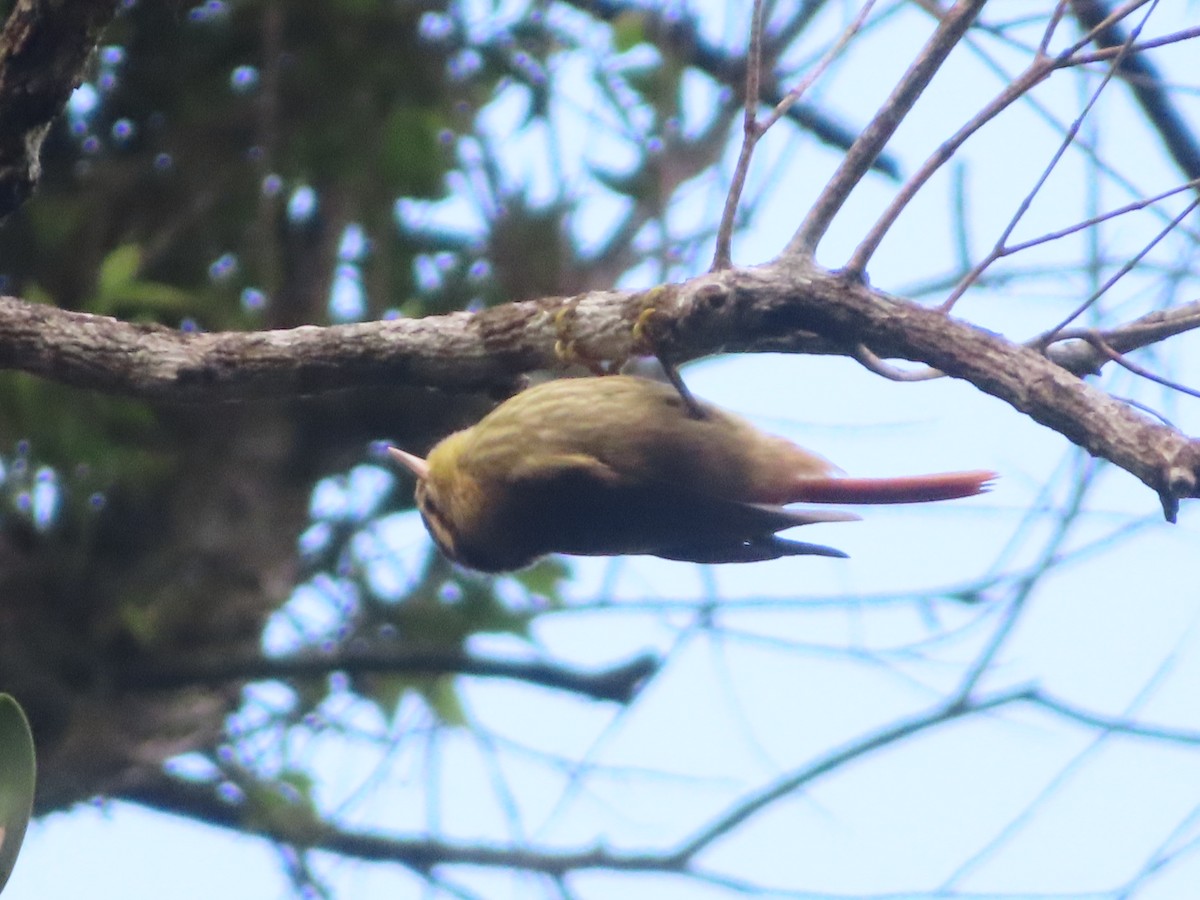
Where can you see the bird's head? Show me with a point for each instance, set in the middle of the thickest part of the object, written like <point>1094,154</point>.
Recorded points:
<point>447,497</point>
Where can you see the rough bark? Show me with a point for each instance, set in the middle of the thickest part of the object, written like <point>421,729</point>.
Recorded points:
<point>791,307</point>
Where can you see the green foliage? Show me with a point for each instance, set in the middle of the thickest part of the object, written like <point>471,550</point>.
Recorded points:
<point>111,438</point>
<point>283,808</point>
<point>545,579</point>
<point>18,776</point>
<point>167,200</point>
<point>411,159</point>
<point>121,292</point>
<point>628,30</point>
<point>438,693</point>
<point>166,173</point>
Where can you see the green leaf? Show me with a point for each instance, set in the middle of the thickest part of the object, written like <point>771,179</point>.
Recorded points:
<point>118,269</point>
<point>284,808</point>
<point>628,30</point>
<point>442,697</point>
<point>545,578</point>
<point>119,291</point>
<point>18,775</point>
<point>412,159</point>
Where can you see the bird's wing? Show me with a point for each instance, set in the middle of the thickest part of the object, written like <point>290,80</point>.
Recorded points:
<point>583,506</point>
<point>770,547</point>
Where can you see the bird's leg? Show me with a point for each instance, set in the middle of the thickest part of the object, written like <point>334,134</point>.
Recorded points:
<point>695,410</point>
<point>643,338</point>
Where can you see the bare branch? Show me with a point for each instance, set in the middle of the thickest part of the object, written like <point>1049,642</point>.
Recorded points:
<point>1040,69</point>
<point>1091,221</point>
<point>1110,353</point>
<point>692,48</point>
<point>747,807</point>
<point>1115,724</point>
<point>201,802</point>
<point>876,135</point>
<point>790,307</point>
<point>753,130</point>
<point>1075,351</point>
<point>1145,82</point>
<point>873,363</point>
<point>1121,272</point>
<point>618,684</point>
<point>722,258</point>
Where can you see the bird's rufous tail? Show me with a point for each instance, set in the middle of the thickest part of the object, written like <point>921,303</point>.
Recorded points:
<point>904,489</point>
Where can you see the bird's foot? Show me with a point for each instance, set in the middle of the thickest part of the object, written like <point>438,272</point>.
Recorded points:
<point>645,341</point>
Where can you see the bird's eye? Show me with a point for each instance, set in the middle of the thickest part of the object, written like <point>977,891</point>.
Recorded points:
<point>428,505</point>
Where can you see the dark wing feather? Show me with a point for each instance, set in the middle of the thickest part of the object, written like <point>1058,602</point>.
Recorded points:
<point>771,547</point>
<point>580,506</point>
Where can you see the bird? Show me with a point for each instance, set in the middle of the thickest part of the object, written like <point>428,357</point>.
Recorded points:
<point>622,465</point>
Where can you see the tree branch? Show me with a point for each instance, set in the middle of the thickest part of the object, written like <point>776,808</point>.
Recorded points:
<point>874,138</point>
<point>204,803</point>
<point>43,50</point>
<point>685,39</point>
<point>791,306</point>
<point>200,802</point>
<point>1148,86</point>
<point>619,684</point>
<point>1074,350</point>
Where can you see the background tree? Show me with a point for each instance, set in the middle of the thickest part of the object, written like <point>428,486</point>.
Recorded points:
<point>194,629</point>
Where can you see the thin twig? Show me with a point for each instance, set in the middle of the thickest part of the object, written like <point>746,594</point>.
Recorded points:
<point>1110,53</point>
<point>1084,147</point>
<point>722,258</point>
<point>1135,206</point>
<point>818,69</point>
<point>619,683</point>
<point>1052,334</point>
<point>1074,351</point>
<point>1045,66</point>
<point>1094,338</point>
<point>1148,88</point>
<point>876,135</point>
<point>872,363</point>
<point>1024,587</point>
<point>754,130</point>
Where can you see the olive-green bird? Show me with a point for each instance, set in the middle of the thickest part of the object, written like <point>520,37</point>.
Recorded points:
<point>621,465</point>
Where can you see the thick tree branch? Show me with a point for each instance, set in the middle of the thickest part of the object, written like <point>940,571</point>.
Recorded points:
<point>791,306</point>
<point>43,50</point>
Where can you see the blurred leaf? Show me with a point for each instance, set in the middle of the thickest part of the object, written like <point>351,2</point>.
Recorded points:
<point>659,83</point>
<point>284,808</point>
<point>545,578</point>
<point>628,30</point>
<point>638,183</point>
<point>18,776</point>
<point>118,269</point>
<point>385,691</point>
<point>119,291</point>
<point>412,161</point>
<point>113,437</point>
<point>442,697</point>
